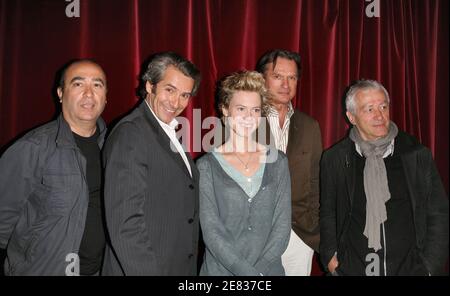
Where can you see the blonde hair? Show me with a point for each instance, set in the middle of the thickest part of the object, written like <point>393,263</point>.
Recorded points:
<point>251,81</point>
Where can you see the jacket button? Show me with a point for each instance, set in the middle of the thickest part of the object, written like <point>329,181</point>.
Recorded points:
<point>190,256</point>
<point>191,186</point>
<point>190,221</point>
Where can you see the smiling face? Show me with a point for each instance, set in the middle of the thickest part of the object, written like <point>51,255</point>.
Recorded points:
<point>371,116</point>
<point>243,112</point>
<point>281,81</point>
<point>83,96</point>
<point>170,96</point>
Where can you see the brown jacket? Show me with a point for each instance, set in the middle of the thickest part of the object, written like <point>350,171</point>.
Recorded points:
<point>304,151</point>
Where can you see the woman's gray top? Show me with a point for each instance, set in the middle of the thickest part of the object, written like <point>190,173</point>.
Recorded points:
<point>251,184</point>
<point>243,235</point>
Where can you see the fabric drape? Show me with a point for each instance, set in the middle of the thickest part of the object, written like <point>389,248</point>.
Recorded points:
<point>405,48</point>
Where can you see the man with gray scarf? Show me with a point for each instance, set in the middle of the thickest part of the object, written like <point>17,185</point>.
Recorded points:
<point>383,208</point>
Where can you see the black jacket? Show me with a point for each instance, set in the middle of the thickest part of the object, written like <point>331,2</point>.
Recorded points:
<point>151,201</point>
<point>428,198</point>
<point>44,198</point>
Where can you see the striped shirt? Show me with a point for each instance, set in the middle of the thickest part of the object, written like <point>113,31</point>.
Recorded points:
<point>281,134</point>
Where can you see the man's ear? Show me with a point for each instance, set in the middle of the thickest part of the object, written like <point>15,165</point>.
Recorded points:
<point>148,87</point>
<point>350,117</point>
<point>60,93</point>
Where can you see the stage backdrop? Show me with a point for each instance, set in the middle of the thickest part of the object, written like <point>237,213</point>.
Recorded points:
<point>405,47</point>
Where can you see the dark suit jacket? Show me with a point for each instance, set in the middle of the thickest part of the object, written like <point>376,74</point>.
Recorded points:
<point>428,199</point>
<point>304,150</point>
<point>151,201</point>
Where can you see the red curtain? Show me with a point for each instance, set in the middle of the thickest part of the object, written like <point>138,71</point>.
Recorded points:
<point>406,48</point>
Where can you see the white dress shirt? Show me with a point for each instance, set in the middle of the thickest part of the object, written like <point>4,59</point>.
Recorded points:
<point>169,129</point>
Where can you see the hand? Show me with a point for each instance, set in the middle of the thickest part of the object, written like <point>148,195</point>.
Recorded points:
<point>333,264</point>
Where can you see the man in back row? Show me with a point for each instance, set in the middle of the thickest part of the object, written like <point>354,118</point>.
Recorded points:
<point>297,135</point>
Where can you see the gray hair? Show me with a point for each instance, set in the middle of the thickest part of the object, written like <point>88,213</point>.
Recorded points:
<point>158,65</point>
<point>360,85</point>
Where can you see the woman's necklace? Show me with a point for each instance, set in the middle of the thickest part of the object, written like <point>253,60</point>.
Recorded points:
<point>243,163</point>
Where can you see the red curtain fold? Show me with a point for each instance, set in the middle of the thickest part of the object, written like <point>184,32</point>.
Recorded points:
<point>406,48</point>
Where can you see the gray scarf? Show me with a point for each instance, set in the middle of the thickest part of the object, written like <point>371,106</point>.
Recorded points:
<point>375,182</point>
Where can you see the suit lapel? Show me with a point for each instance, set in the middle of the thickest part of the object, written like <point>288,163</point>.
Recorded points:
<point>293,139</point>
<point>409,168</point>
<point>294,127</point>
<point>409,164</point>
<point>347,158</point>
<point>164,139</point>
<point>194,170</point>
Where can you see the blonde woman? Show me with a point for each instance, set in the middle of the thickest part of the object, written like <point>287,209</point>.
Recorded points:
<point>245,206</point>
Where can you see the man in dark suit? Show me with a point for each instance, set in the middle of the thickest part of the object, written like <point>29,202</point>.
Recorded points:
<point>298,135</point>
<point>383,208</point>
<point>151,183</point>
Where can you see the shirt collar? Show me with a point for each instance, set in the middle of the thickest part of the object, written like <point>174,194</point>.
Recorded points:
<point>172,125</point>
<point>64,135</point>
<point>272,112</point>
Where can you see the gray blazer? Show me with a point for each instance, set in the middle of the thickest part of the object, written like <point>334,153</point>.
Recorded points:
<point>244,237</point>
<point>151,201</point>
<point>43,200</point>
